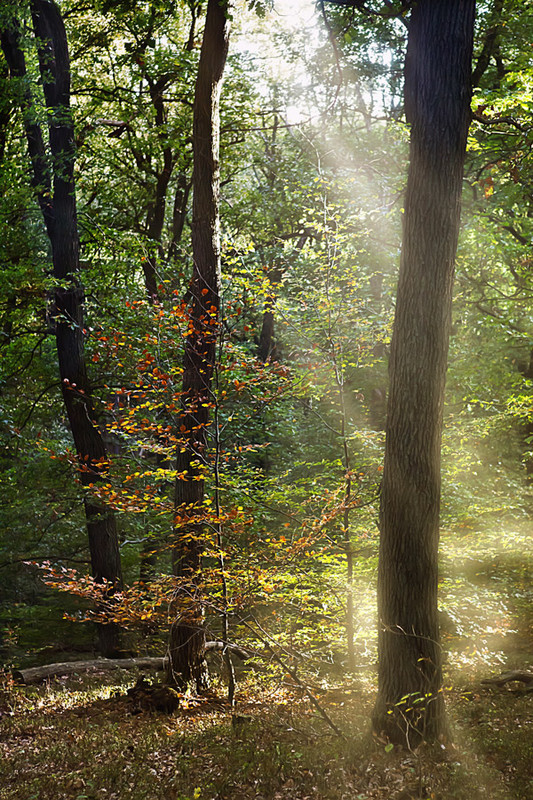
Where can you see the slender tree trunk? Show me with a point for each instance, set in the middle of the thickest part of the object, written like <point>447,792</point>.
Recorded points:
<point>156,211</point>
<point>410,705</point>
<point>179,213</point>
<point>528,426</point>
<point>155,221</point>
<point>187,636</point>
<point>57,201</point>
<point>347,540</point>
<point>267,347</point>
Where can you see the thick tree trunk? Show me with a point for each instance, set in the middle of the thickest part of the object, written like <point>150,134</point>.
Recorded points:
<point>410,705</point>
<point>58,205</point>
<point>187,636</point>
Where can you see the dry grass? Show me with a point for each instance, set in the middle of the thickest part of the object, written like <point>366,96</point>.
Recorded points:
<point>80,740</point>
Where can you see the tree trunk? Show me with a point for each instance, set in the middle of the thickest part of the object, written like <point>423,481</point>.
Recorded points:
<point>187,636</point>
<point>410,705</point>
<point>528,427</point>
<point>58,206</point>
<point>156,211</point>
<point>266,347</point>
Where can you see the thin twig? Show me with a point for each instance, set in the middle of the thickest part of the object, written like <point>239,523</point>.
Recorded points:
<point>323,713</point>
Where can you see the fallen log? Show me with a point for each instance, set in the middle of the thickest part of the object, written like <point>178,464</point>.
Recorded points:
<point>33,675</point>
<point>235,650</point>
<point>506,677</point>
<point>38,674</point>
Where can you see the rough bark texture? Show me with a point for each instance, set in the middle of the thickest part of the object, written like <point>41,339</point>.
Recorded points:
<point>187,637</point>
<point>54,185</point>
<point>410,706</point>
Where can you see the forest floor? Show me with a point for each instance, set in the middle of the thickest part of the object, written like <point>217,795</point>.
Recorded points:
<point>80,737</point>
<point>77,739</point>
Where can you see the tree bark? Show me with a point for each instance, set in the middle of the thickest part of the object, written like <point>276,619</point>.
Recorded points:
<point>187,665</point>
<point>410,705</point>
<point>55,188</point>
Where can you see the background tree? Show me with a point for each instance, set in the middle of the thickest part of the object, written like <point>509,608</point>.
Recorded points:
<point>53,179</point>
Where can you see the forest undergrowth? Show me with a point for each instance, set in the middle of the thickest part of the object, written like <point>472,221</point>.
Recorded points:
<point>82,738</point>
